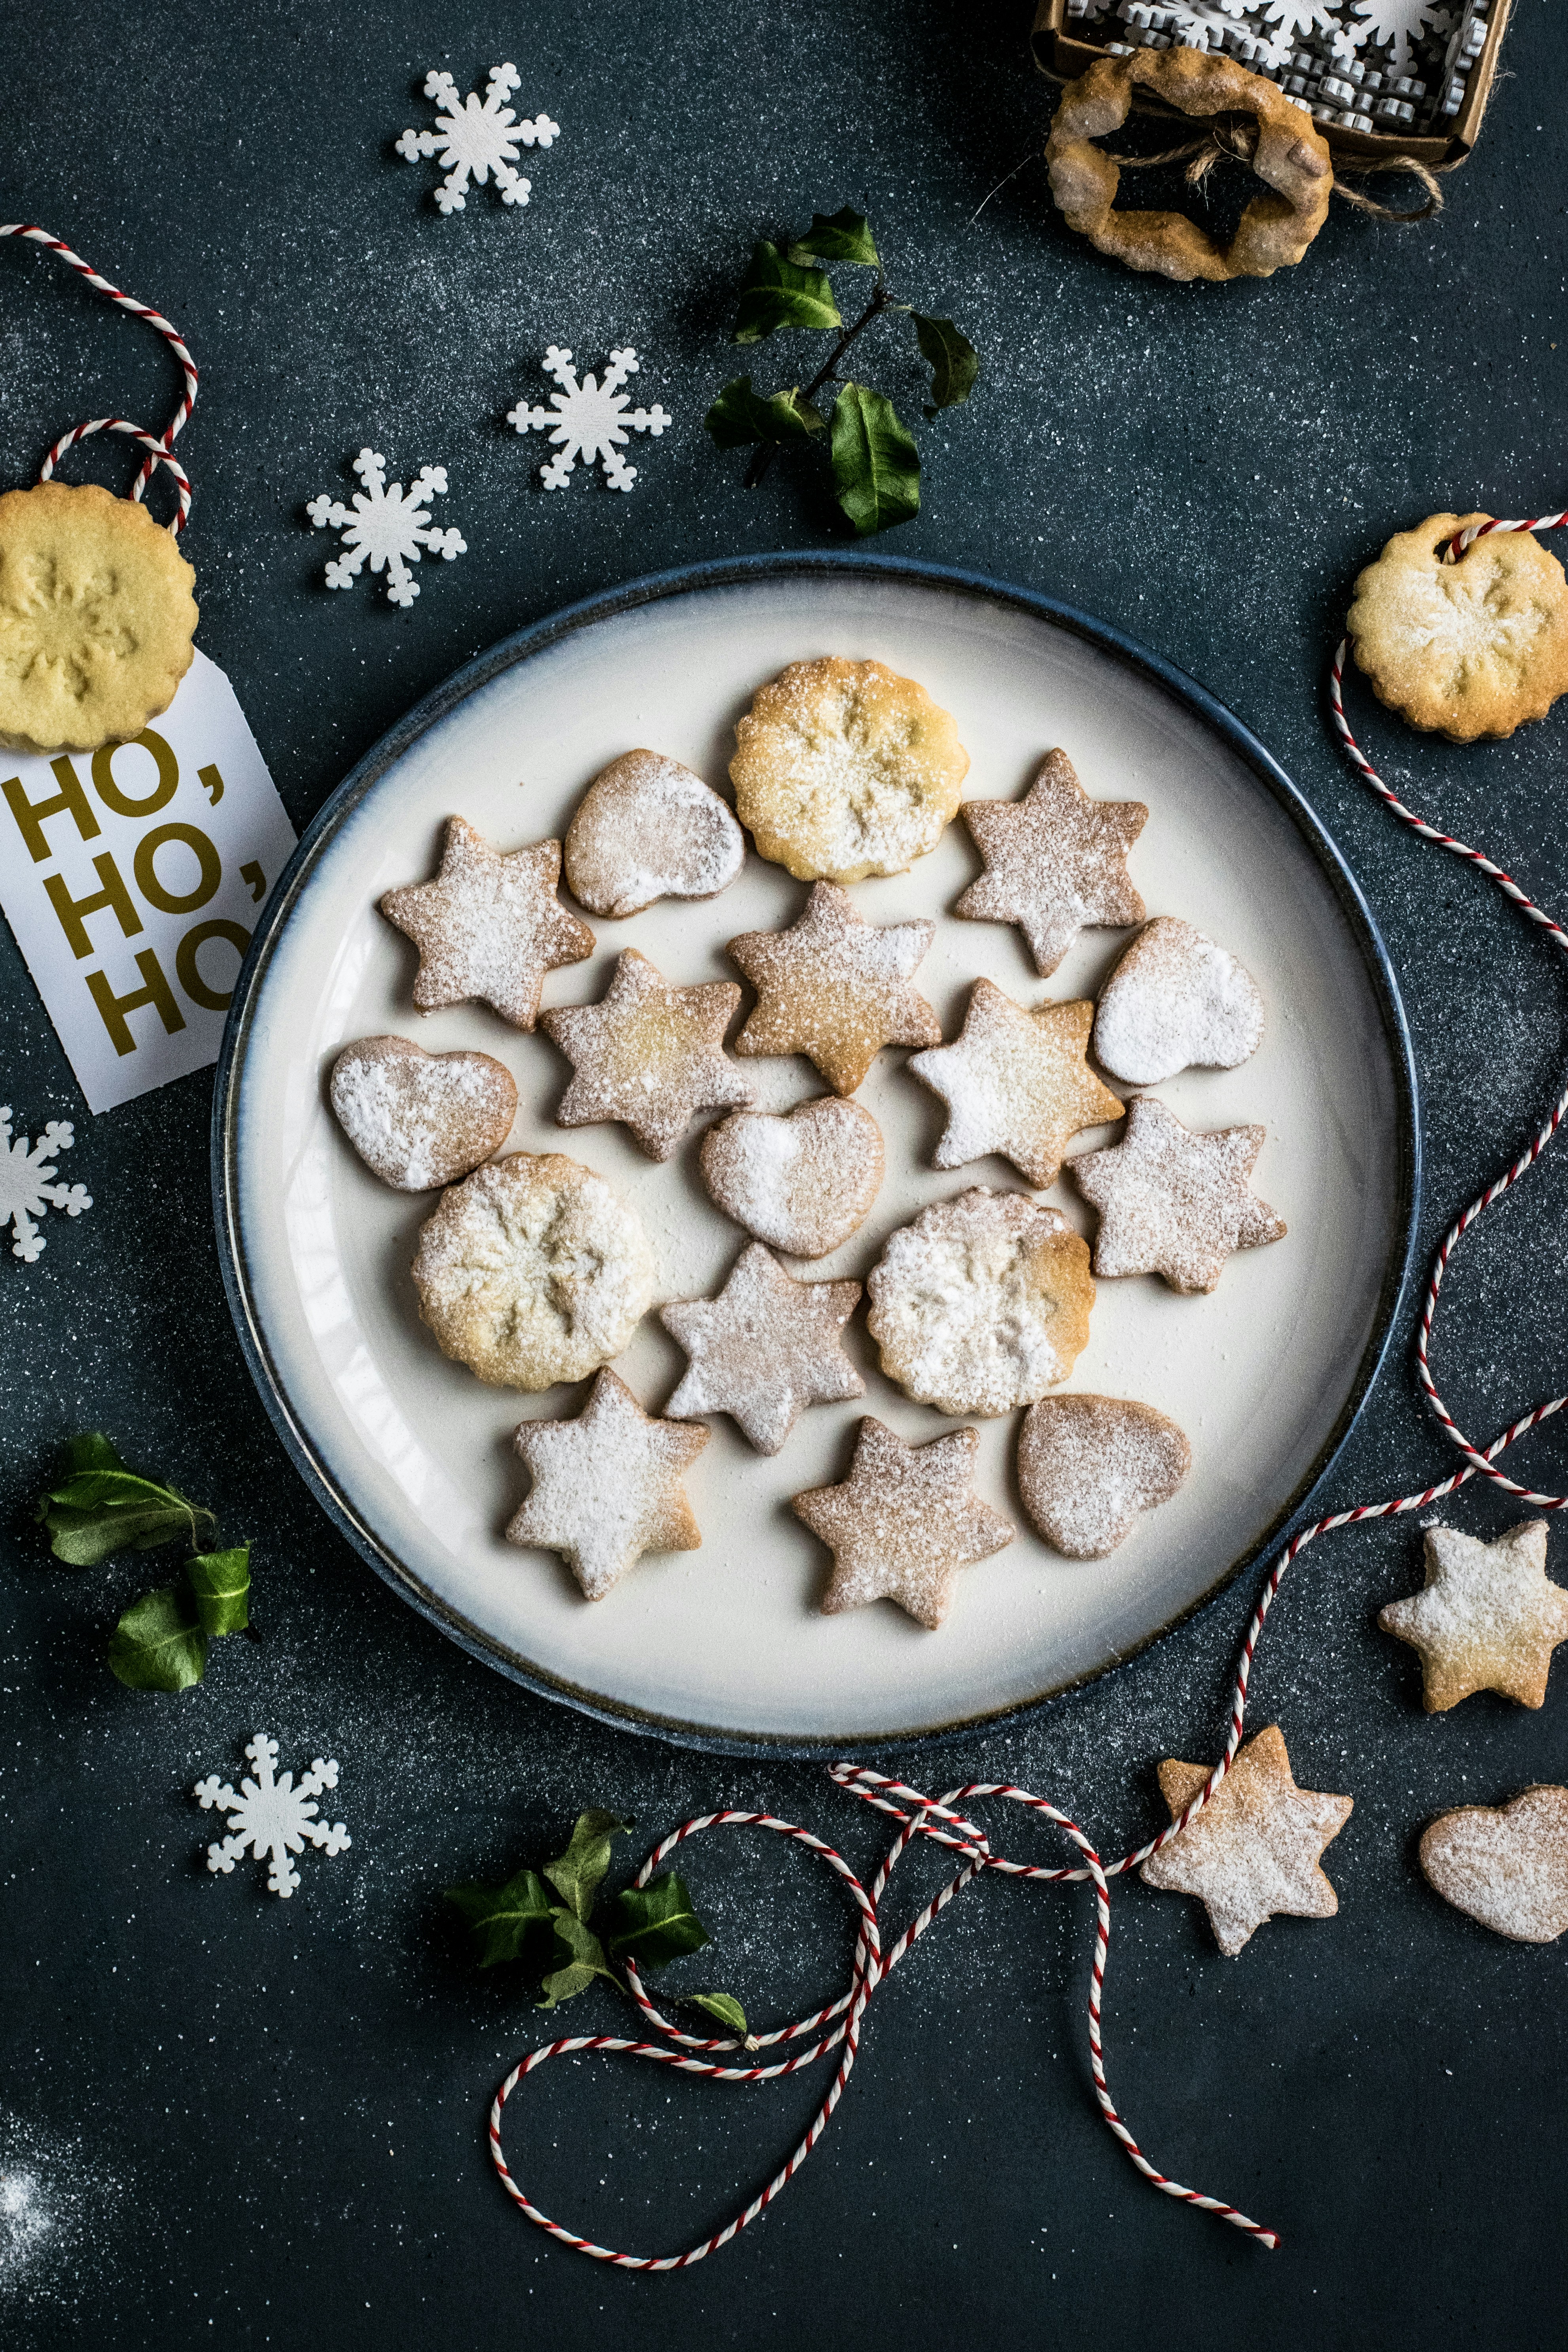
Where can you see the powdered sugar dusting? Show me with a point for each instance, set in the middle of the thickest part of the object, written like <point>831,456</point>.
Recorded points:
<point>804,1181</point>
<point>1176,1000</point>
<point>421,1120</point>
<point>1089,1464</point>
<point>1507,1867</point>
<point>649,828</point>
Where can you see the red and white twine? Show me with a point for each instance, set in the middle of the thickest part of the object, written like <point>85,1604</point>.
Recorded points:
<point>839,2026</point>
<point>159,447</point>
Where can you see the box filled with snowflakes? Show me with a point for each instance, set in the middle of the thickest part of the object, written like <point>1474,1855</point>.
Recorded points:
<point>1380,78</point>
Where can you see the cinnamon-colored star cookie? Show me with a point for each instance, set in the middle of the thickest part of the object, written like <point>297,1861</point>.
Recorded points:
<point>489,925</point>
<point>607,1487</point>
<point>1254,1849</point>
<point>1467,647</point>
<point>1015,1082</point>
<point>836,988</point>
<point>765,1348</point>
<point>1172,1202</point>
<point>1489,1617</point>
<point>903,1522</point>
<point>1055,861</point>
<point>648,1054</point>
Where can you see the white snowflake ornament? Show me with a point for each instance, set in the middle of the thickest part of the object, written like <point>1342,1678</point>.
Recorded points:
<point>588,420</point>
<point>388,526</point>
<point>27,1185</point>
<point>477,140</point>
<point>272,1817</point>
<point>1398,23</point>
<point>1292,20</point>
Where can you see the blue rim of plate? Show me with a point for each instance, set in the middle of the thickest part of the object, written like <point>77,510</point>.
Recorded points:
<point>538,638</point>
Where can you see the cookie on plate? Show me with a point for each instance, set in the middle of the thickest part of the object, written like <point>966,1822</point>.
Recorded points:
<point>532,1271</point>
<point>1015,1082</point>
<point>804,1179</point>
<point>418,1120</point>
<point>836,988</point>
<point>648,1054</point>
<point>1176,1000</point>
<point>1507,1866</point>
<point>1254,1849</point>
<point>1488,1617</point>
<point>1088,1466</point>
<point>903,1522</point>
<point>646,828</point>
<point>489,925</point>
<point>607,1487</point>
<point>1055,861</point>
<point>766,1348</point>
<point>982,1304</point>
<point>1464,648</point>
<point>1173,1203</point>
<point>96,618</point>
<point>842,768</point>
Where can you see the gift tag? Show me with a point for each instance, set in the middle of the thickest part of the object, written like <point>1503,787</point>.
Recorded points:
<point>132,877</point>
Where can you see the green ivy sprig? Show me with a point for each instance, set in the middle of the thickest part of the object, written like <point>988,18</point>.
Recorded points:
<point>541,1917</point>
<point>876,465</point>
<point>99,1507</point>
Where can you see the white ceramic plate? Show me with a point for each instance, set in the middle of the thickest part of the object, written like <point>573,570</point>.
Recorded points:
<point>725,1644</point>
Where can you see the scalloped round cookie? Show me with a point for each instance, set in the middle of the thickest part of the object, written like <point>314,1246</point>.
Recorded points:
<point>842,768</point>
<point>646,828</point>
<point>96,618</point>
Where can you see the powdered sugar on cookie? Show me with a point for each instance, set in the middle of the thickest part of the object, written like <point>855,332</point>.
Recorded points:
<point>804,1179</point>
<point>646,828</point>
<point>421,1120</point>
<point>1176,1000</point>
<point>1172,1202</point>
<point>1506,1867</point>
<point>1089,1464</point>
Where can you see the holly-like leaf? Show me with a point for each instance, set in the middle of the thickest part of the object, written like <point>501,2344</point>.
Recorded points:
<point>513,1922</point>
<point>99,1507</point>
<point>953,361</point>
<point>876,466</point>
<point>584,1960</point>
<point>656,1923</point>
<point>220,1585</point>
<point>158,1644</point>
<point>724,2007</point>
<point>739,415</point>
<point>775,293</point>
<point>837,237</point>
<point>577,1873</point>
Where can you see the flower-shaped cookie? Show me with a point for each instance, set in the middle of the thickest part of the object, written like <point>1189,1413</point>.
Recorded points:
<point>1465,647</point>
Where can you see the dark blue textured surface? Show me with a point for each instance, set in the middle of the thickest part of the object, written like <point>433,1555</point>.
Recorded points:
<point>261,2122</point>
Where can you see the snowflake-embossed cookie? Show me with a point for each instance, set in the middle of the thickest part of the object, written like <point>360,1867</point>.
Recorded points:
<point>1507,1866</point>
<point>802,1179</point>
<point>1172,1202</point>
<point>532,1271</point>
<point>646,828</point>
<point>1055,861</point>
<point>766,1348</point>
<point>1015,1082</point>
<point>1088,1466</point>
<point>489,925</point>
<point>418,1120</point>
<point>96,618</point>
<point>835,987</point>
<point>1464,648</point>
<point>982,1304</point>
<point>1176,1000</point>
<point>607,1487</point>
<point>648,1054</point>
<point>902,1523</point>
<point>842,768</point>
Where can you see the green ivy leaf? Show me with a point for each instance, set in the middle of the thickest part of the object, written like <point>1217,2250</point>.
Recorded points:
<point>775,293</point>
<point>739,415</point>
<point>724,2007</point>
<point>876,466</point>
<point>837,237</point>
<point>220,1584</point>
<point>512,1922</point>
<point>100,1506</point>
<point>656,1923</point>
<point>953,361</point>
<point>577,1873</point>
<point>584,1956</point>
<point>158,1644</point>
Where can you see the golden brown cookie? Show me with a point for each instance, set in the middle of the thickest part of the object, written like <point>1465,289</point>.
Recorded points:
<point>607,1487</point>
<point>96,618</point>
<point>1088,1466</point>
<point>1254,1849</point>
<point>982,1304</point>
<point>1055,861</point>
<point>1488,1617</point>
<point>905,1519</point>
<point>421,1120</point>
<point>1275,228</point>
<point>489,925</point>
<point>802,1179</point>
<point>1507,1866</point>
<point>1015,1082</point>
<point>835,987</point>
<point>646,828</point>
<point>1173,1203</point>
<point>766,1348</point>
<point>1467,648</point>
<point>532,1271</point>
<point>648,1054</point>
<point>842,770</point>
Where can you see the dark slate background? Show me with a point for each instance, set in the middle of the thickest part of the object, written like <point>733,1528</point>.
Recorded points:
<point>251,2122</point>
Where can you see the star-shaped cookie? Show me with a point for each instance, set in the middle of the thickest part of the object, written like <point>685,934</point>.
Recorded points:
<point>1254,1849</point>
<point>1173,1203</point>
<point>1055,861</point>
<point>837,988</point>
<point>1016,1082</point>
<point>1488,1617</point>
<point>764,1349</point>
<point>607,1487</point>
<point>648,1054</point>
<point>489,925</point>
<point>905,1519</point>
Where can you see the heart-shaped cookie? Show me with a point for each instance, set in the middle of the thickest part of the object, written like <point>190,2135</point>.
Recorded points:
<point>1507,1866</point>
<point>1177,1001</point>
<point>1089,1464</point>
<point>420,1120</point>
<point>647,828</point>
<point>802,1179</point>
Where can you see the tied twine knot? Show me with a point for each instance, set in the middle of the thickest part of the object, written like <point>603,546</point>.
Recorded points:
<point>1234,139</point>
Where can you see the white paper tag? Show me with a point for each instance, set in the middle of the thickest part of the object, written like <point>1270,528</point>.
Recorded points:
<point>131,878</point>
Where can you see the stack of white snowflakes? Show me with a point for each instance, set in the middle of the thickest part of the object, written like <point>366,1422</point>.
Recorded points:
<point>1388,66</point>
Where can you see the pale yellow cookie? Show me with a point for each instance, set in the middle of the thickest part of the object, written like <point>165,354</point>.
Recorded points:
<point>1467,649</point>
<point>533,1272</point>
<point>842,770</point>
<point>648,1054</point>
<point>1254,1850</point>
<point>1487,1617</point>
<point>96,618</point>
<point>835,987</point>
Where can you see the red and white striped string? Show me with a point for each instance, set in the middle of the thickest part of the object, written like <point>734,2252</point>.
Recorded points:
<point>159,448</point>
<point>839,2025</point>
